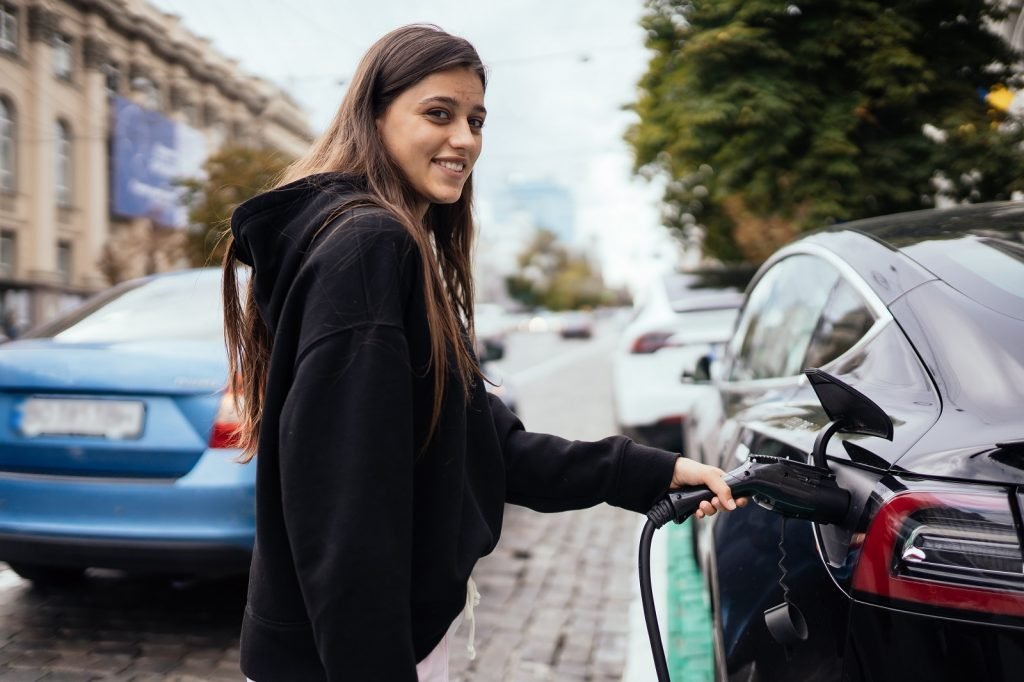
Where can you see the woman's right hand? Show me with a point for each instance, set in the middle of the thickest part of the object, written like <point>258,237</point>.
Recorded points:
<point>689,472</point>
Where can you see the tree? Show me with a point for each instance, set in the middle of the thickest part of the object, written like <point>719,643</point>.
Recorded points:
<point>770,118</point>
<point>233,175</point>
<point>552,276</point>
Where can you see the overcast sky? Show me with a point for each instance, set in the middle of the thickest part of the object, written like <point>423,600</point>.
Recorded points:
<point>560,72</point>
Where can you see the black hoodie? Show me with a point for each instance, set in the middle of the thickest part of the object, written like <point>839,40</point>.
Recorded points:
<point>365,540</point>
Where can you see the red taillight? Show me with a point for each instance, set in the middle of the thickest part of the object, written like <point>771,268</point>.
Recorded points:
<point>225,425</point>
<point>650,342</point>
<point>943,549</point>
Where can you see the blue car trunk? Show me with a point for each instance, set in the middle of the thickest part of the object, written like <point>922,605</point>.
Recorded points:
<point>129,410</point>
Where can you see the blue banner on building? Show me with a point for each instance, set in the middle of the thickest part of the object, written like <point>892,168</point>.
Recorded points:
<point>150,154</point>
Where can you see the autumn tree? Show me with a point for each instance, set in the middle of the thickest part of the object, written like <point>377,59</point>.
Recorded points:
<point>233,175</point>
<point>768,118</point>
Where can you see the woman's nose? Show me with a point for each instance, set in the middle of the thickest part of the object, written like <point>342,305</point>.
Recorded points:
<point>462,136</point>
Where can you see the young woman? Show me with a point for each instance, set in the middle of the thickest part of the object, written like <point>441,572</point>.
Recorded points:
<point>383,465</point>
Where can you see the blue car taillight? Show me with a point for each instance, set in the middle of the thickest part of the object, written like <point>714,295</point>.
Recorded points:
<point>945,549</point>
<point>224,433</point>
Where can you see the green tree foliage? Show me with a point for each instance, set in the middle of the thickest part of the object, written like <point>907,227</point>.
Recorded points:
<point>769,118</point>
<point>552,276</point>
<point>233,175</point>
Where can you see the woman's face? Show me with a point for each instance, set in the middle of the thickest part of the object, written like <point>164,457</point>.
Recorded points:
<point>433,131</point>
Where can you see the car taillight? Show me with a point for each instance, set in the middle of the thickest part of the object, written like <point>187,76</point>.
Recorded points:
<point>651,342</point>
<point>945,549</point>
<point>225,424</point>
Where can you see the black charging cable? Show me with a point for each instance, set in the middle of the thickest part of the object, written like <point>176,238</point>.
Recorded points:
<point>658,516</point>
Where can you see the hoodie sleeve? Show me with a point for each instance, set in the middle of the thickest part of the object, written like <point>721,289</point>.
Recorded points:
<point>548,473</point>
<point>346,462</point>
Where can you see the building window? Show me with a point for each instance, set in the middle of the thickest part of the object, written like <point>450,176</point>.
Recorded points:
<point>8,28</point>
<point>7,254</point>
<point>152,98</point>
<point>64,167</point>
<point>218,135</point>
<point>149,91</point>
<point>8,141</point>
<point>191,114</point>
<point>62,61</point>
<point>64,261</point>
<point>112,72</point>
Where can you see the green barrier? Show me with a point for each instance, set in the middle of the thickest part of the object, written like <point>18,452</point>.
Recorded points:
<point>690,657</point>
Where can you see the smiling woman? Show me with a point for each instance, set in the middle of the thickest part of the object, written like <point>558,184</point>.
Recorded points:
<point>433,131</point>
<point>383,463</point>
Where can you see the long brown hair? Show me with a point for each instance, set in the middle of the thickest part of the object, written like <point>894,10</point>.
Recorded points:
<point>351,144</point>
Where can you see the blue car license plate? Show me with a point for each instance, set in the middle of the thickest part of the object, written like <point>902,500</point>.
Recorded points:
<point>114,419</point>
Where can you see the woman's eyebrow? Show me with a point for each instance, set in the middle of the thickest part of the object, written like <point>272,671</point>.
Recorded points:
<point>453,103</point>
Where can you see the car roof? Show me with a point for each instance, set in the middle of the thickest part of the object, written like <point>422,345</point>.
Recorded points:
<point>896,253</point>
<point>712,300</point>
<point>976,249</point>
<point>901,230</point>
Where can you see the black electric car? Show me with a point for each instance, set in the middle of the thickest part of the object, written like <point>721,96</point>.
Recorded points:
<point>924,314</point>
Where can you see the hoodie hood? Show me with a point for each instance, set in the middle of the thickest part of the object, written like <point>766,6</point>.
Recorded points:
<point>274,230</point>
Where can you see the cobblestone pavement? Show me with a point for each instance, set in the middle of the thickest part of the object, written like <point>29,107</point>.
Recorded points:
<point>555,593</point>
<point>112,628</point>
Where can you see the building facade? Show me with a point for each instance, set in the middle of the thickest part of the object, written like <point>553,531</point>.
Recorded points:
<point>78,80</point>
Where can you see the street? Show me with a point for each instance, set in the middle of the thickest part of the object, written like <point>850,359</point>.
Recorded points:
<point>555,594</point>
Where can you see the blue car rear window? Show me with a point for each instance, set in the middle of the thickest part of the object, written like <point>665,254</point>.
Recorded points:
<point>182,306</point>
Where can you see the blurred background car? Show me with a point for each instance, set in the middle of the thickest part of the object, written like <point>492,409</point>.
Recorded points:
<point>493,325</point>
<point>577,324</point>
<point>116,451</point>
<point>924,314</point>
<point>675,325</point>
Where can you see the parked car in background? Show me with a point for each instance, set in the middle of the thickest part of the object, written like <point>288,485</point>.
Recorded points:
<point>673,328</point>
<point>116,446</point>
<point>577,324</point>
<point>493,325</point>
<point>923,313</point>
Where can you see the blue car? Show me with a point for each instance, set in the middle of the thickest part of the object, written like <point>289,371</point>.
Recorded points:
<point>115,447</point>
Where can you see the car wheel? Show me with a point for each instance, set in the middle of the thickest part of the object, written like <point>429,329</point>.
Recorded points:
<point>49,576</point>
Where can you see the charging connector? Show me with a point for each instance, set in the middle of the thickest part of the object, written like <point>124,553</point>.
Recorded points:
<point>793,489</point>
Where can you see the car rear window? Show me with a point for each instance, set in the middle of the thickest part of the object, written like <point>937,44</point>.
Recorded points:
<point>181,307</point>
<point>715,318</point>
<point>988,269</point>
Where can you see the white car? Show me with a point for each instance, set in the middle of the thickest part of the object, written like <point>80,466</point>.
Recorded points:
<point>493,325</point>
<point>675,326</point>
